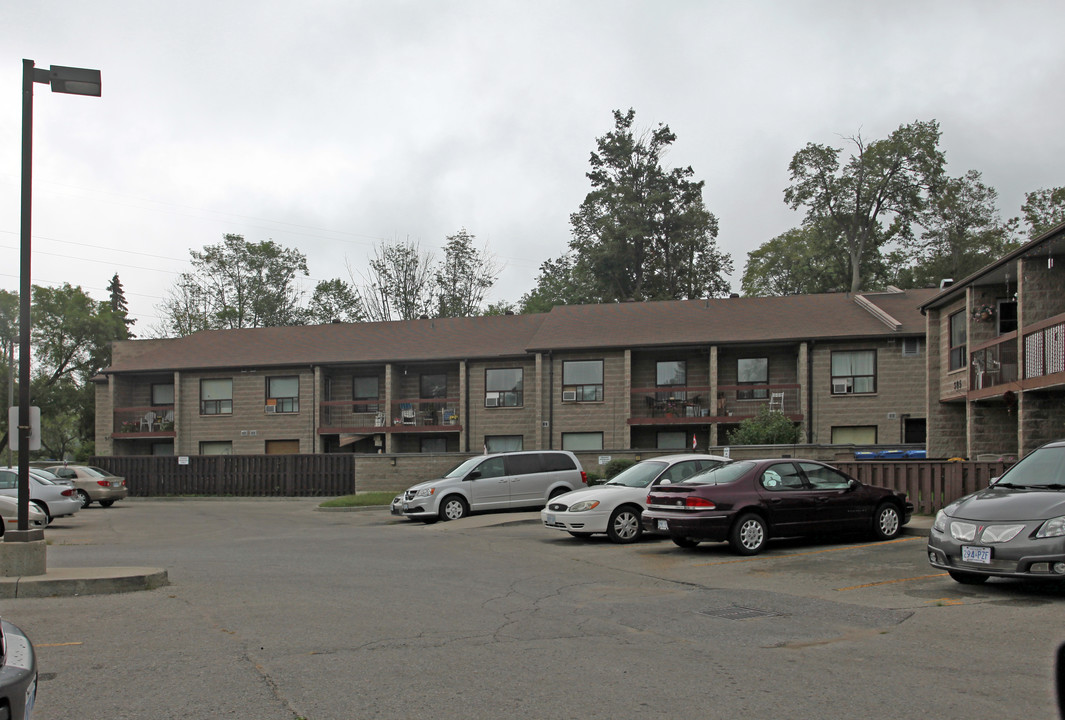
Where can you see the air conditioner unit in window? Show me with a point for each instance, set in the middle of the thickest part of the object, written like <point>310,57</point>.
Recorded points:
<point>271,408</point>
<point>569,396</point>
<point>491,402</point>
<point>840,387</point>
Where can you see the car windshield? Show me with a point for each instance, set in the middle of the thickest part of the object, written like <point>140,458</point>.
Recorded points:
<point>639,475</point>
<point>1042,468</point>
<point>730,472</point>
<point>464,469</point>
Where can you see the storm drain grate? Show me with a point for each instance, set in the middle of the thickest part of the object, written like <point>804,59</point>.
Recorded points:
<point>735,612</point>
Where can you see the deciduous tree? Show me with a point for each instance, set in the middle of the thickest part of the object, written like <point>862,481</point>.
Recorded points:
<point>464,277</point>
<point>401,283</point>
<point>1043,209</point>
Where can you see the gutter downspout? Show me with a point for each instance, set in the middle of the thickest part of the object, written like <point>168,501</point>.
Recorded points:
<point>810,393</point>
<point>550,401</point>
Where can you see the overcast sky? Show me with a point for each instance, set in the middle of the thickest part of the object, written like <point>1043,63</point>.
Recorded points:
<point>331,126</point>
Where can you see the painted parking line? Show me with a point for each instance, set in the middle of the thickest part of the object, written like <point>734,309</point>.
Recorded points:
<point>785,556</point>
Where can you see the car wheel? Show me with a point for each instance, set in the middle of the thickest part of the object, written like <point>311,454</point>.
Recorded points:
<point>556,492</point>
<point>582,536</point>
<point>43,508</point>
<point>624,526</point>
<point>887,524</point>
<point>453,508</point>
<point>967,578</point>
<point>748,535</point>
<point>86,501</point>
<point>685,542</point>
<point>107,503</point>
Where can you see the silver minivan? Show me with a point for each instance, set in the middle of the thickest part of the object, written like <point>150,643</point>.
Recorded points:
<point>493,482</point>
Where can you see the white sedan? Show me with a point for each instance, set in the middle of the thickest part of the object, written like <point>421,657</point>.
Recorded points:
<point>9,515</point>
<point>615,507</point>
<point>54,500</point>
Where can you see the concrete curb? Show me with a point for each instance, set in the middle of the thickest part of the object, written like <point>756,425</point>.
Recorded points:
<point>69,582</point>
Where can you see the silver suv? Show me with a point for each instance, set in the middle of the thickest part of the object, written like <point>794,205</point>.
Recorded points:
<point>493,482</point>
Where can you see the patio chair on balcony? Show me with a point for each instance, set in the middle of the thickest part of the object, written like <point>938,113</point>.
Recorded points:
<point>406,414</point>
<point>776,402</point>
<point>379,419</point>
<point>148,421</point>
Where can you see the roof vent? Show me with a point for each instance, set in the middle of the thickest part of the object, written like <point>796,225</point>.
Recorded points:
<point>946,283</point>
<point>734,295</point>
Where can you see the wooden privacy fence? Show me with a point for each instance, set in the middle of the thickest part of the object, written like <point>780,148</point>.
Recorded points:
<point>240,475</point>
<point>929,485</point>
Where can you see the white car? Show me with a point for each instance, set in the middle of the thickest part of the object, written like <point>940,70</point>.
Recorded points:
<point>9,515</point>
<point>54,500</point>
<point>615,507</point>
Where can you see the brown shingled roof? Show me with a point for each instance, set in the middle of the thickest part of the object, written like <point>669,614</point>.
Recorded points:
<point>719,321</point>
<point>725,321</point>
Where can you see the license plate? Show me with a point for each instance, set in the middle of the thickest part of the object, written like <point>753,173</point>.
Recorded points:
<point>981,555</point>
<point>115,483</point>
<point>550,519</point>
<point>406,507</point>
<point>663,525</point>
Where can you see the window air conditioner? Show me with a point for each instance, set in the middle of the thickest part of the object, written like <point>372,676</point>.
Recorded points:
<point>569,396</point>
<point>271,408</point>
<point>840,387</point>
<point>491,402</point>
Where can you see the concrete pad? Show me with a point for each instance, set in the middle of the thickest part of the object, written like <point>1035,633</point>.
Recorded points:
<point>67,582</point>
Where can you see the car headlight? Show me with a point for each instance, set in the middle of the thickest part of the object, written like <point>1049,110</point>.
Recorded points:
<point>1054,527</point>
<point>584,506</point>
<point>425,492</point>
<point>940,524</point>
<point>1000,533</point>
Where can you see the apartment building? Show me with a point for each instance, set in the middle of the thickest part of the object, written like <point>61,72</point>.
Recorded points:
<point>996,355</point>
<point>848,369</point>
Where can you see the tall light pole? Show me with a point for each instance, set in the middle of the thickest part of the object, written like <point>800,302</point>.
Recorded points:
<point>73,81</point>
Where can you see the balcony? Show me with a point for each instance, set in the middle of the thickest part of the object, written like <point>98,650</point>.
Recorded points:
<point>1044,352</point>
<point>370,416</point>
<point>692,405</point>
<point>993,365</point>
<point>156,421</point>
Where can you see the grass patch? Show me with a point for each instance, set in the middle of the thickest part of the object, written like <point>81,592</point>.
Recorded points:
<point>365,499</point>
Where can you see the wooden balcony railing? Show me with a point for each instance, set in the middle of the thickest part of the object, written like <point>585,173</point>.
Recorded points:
<point>732,403</point>
<point>993,364</point>
<point>1044,348</point>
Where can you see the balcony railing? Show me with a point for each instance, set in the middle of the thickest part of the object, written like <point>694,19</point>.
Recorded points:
<point>679,405</point>
<point>365,415</point>
<point>154,421</point>
<point>1044,349</point>
<point>994,364</point>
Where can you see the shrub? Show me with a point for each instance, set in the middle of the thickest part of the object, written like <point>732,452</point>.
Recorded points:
<point>615,466</point>
<point>766,428</point>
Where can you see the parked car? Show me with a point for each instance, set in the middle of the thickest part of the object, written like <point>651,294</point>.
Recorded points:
<point>54,500</point>
<point>749,501</point>
<point>9,517</point>
<point>92,484</point>
<point>1013,528</point>
<point>493,482</point>
<point>18,673</point>
<point>616,507</point>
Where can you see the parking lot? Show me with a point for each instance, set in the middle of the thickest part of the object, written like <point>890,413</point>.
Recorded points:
<point>279,610</point>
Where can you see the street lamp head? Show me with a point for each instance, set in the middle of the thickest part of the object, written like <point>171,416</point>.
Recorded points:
<point>74,81</point>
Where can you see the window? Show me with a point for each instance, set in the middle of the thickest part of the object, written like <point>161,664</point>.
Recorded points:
<point>163,394</point>
<point>556,461</point>
<point>582,380</point>
<point>524,464</point>
<point>957,341</point>
<point>503,387</point>
<point>216,447</point>
<point>855,435</point>
<point>433,386</point>
<point>434,445</point>
<point>582,441</point>
<point>671,373</point>
<point>216,397</point>
<point>503,443</point>
<point>782,477</point>
<point>911,347</point>
<point>283,394</point>
<point>853,371</point>
<point>752,371</point>
<point>364,387</point>
<point>491,468</point>
<point>825,478</point>
<point>672,440</point>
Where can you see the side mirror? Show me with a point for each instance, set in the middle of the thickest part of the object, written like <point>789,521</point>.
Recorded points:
<point>853,484</point>
<point>474,475</point>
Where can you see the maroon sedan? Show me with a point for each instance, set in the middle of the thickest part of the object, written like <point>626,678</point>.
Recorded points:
<point>747,502</point>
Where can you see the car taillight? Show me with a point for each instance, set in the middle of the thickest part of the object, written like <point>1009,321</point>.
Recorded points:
<point>103,483</point>
<point>67,493</point>
<point>698,502</point>
<point>584,477</point>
